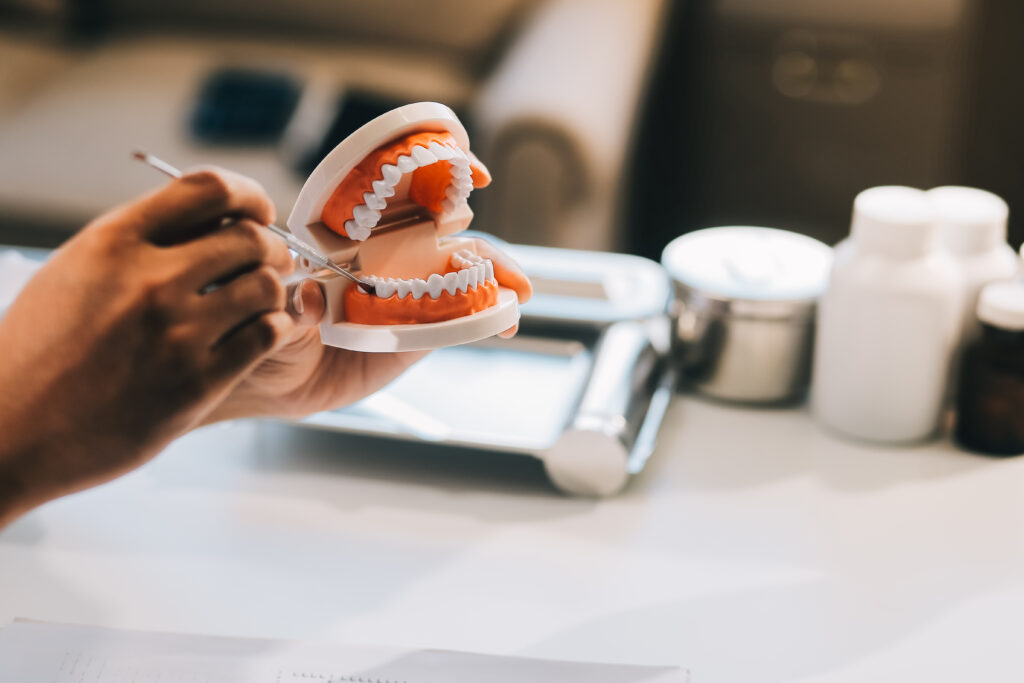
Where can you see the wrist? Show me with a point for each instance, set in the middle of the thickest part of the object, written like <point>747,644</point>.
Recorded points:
<point>18,493</point>
<point>239,405</point>
<point>24,456</point>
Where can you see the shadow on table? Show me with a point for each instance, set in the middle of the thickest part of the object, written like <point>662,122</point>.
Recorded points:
<point>446,467</point>
<point>352,472</point>
<point>438,666</point>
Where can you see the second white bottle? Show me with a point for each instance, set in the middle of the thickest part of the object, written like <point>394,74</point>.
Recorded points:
<point>888,323</point>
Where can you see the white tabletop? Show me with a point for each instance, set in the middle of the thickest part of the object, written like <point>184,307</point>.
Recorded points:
<point>754,548</point>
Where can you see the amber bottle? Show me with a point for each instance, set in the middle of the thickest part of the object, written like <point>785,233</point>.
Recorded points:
<point>990,400</point>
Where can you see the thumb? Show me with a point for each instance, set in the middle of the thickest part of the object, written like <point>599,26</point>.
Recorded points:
<point>306,302</point>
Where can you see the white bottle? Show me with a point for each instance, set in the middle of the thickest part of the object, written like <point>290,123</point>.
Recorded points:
<point>972,227</point>
<point>888,323</point>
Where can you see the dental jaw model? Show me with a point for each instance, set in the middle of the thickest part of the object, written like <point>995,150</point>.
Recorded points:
<point>386,203</point>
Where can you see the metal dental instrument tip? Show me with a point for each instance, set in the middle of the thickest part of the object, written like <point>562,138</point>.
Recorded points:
<point>307,251</point>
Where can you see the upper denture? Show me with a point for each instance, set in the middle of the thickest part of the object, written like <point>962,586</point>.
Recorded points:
<point>443,177</point>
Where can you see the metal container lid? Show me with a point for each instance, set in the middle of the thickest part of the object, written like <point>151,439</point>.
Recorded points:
<point>769,271</point>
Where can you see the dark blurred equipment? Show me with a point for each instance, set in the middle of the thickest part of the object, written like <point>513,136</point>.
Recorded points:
<point>244,106</point>
<point>992,148</point>
<point>779,113</point>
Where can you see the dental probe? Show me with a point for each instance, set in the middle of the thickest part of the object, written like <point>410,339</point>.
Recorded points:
<point>307,251</point>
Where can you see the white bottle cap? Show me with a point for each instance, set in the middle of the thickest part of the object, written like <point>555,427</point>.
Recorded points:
<point>894,220</point>
<point>970,220</point>
<point>1001,304</point>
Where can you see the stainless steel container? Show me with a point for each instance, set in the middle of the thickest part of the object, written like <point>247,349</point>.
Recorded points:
<point>745,310</point>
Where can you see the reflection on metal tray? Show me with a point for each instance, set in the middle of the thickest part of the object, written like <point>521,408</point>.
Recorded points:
<point>520,419</point>
<point>583,387</point>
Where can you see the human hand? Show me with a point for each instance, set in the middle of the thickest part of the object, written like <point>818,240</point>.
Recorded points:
<point>119,344</point>
<point>305,376</point>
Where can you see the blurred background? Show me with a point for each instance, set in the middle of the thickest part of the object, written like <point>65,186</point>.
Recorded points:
<point>607,124</point>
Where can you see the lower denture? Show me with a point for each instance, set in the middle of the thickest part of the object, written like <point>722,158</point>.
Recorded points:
<point>370,309</point>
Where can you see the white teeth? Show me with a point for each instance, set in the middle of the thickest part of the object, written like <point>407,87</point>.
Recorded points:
<point>453,193</point>
<point>435,283</point>
<point>451,282</point>
<point>373,201</point>
<point>462,183</point>
<point>384,288</point>
<point>464,258</point>
<point>382,189</point>
<point>392,174</point>
<point>406,164</point>
<point>365,216</point>
<point>418,287</point>
<point>423,157</point>
<point>442,152</point>
<point>471,272</point>
<point>356,231</point>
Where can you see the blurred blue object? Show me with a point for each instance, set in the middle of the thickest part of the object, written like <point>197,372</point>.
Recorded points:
<point>244,106</point>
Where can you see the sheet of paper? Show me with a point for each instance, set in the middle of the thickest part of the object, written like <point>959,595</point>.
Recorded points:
<point>31,651</point>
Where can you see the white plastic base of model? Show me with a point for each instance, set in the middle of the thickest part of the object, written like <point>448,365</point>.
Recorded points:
<point>421,336</point>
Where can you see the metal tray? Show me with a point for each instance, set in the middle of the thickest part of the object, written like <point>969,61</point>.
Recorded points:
<point>583,387</point>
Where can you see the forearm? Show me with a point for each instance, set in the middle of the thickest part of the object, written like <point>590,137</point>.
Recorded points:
<point>42,455</point>
<point>42,462</point>
<point>30,473</point>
